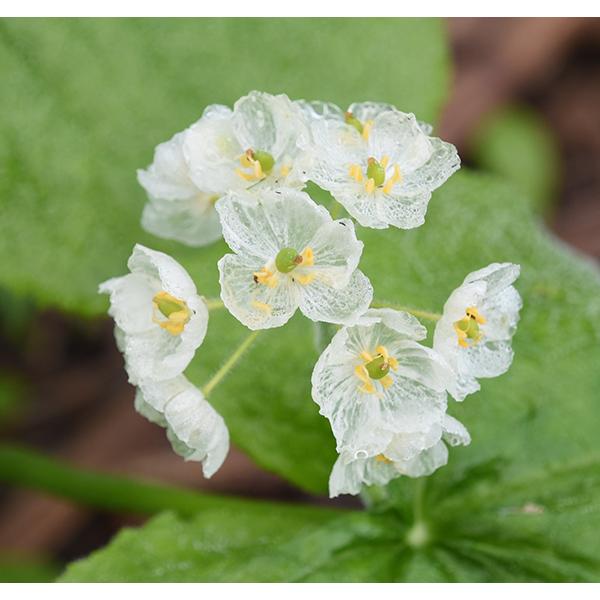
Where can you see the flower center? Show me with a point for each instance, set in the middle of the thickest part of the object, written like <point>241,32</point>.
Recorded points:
<point>256,165</point>
<point>376,175</point>
<point>375,368</point>
<point>286,261</point>
<point>174,310</point>
<point>363,128</point>
<point>467,329</point>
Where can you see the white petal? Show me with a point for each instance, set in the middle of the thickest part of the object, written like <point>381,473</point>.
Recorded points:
<point>316,109</point>
<point>269,123</point>
<point>404,447</point>
<point>455,433</point>
<point>260,226</point>
<point>168,176</point>
<point>402,211</point>
<point>196,430</point>
<point>497,276</point>
<point>255,305</point>
<point>348,476</point>
<point>368,111</point>
<point>398,136</point>
<point>321,302</point>
<point>212,152</point>
<point>426,462</point>
<point>336,252</point>
<point>193,221</point>
<point>407,325</point>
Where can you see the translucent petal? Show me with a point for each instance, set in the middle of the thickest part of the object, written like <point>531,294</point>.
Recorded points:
<point>368,111</point>
<point>269,123</point>
<point>402,211</point>
<point>168,176</point>
<point>407,325</point>
<point>398,136</point>
<point>348,475</point>
<point>426,462</point>
<point>321,302</point>
<point>255,305</point>
<point>497,276</point>
<point>336,252</point>
<point>260,226</point>
<point>193,221</point>
<point>442,162</point>
<point>196,430</point>
<point>315,109</point>
<point>212,152</point>
<point>404,447</point>
<point>455,433</point>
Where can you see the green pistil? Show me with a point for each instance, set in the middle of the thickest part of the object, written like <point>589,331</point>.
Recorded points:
<point>287,260</point>
<point>378,367</point>
<point>265,159</point>
<point>375,171</point>
<point>352,120</point>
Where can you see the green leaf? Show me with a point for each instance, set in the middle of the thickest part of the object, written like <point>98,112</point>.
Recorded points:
<point>517,144</point>
<point>85,102</point>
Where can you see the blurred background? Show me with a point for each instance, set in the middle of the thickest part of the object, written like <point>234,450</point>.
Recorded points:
<point>531,82</point>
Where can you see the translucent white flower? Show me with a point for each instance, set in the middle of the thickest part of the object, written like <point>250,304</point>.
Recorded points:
<point>475,332</point>
<point>289,254</point>
<point>258,144</point>
<point>195,429</point>
<point>159,318</point>
<point>379,163</point>
<point>177,209</point>
<point>375,381</point>
<point>349,474</point>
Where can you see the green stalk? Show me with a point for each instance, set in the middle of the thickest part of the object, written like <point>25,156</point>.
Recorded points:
<point>421,314</point>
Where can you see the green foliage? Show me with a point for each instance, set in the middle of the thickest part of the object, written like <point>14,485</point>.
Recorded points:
<point>516,143</point>
<point>25,570</point>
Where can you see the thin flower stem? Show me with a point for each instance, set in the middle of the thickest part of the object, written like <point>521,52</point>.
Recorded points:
<point>213,303</point>
<point>422,314</point>
<point>229,364</point>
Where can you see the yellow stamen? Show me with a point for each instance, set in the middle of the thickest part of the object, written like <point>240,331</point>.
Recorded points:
<point>393,180</point>
<point>244,175</point>
<point>384,161</point>
<point>304,279</point>
<point>383,459</point>
<point>308,257</point>
<point>370,186</point>
<point>265,277</point>
<point>386,381</point>
<point>248,161</point>
<point>473,313</point>
<point>175,311</point>
<point>262,306</point>
<point>285,170</point>
<point>366,356</point>
<point>366,132</point>
<point>356,173</point>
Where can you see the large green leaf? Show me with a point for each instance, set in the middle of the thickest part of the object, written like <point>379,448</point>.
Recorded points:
<point>84,103</point>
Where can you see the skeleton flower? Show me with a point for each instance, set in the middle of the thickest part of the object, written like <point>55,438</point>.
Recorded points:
<point>379,163</point>
<point>289,253</point>
<point>259,144</point>
<point>177,208</point>
<point>194,428</point>
<point>349,473</point>
<point>159,318</point>
<point>375,381</point>
<point>475,332</point>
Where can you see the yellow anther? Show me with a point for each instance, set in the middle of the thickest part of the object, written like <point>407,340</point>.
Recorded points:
<point>262,306</point>
<point>383,459</point>
<point>386,381</point>
<point>384,161</point>
<point>308,257</point>
<point>265,277</point>
<point>304,279</point>
<point>244,175</point>
<point>356,173</point>
<point>366,356</point>
<point>393,180</point>
<point>258,172</point>
<point>393,363</point>
<point>175,311</point>
<point>366,132</point>
<point>248,161</point>
<point>473,313</point>
<point>370,186</point>
<point>383,351</point>
<point>361,372</point>
<point>390,360</point>
<point>285,170</point>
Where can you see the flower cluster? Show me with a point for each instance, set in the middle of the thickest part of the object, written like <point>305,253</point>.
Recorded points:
<point>240,173</point>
